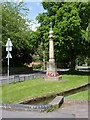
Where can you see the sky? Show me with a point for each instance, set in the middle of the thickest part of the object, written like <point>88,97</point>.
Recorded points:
<point>35,8</point>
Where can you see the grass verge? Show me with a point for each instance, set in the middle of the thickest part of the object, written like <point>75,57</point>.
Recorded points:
<point>80,96</point>
<point>16,92</point>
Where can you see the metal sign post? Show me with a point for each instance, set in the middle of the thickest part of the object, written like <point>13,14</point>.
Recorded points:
<point>8,61</point>
<point>8,48</point>
<point>44,59</point>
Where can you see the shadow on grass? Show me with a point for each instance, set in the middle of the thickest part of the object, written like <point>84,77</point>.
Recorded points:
<point>76,72</point>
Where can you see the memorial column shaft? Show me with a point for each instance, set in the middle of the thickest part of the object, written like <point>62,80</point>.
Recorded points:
<point>51,49</point>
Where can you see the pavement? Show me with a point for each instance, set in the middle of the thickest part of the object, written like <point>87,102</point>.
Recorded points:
<point>67,110</point>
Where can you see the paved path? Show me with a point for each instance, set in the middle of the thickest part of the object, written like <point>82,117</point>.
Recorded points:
<point>66,111</point>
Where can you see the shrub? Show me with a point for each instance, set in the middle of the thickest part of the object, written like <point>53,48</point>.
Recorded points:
<point>37,66</point>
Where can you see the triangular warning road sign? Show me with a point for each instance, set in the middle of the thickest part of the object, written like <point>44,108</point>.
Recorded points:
<point>9,55</point>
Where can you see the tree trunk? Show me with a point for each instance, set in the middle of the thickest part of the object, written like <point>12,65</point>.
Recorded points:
<point>73,64</point>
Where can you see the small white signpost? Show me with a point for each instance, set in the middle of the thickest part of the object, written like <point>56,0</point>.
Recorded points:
<point>8,48</point>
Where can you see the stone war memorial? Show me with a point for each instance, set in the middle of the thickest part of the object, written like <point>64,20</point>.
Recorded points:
<point>51,74</point>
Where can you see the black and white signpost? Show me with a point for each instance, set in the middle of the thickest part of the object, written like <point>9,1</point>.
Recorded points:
<point>8,49</point>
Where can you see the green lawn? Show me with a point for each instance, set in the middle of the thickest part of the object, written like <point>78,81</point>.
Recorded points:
<point>80,96</point>
<point>16,92</point>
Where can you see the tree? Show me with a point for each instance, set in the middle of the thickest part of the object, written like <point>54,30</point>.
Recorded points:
<point>70,20</point>
<point>40,53</point>
<point>88,40</point>
<point>0,36</point>
<point>16,26</point>
<point>0,22</point>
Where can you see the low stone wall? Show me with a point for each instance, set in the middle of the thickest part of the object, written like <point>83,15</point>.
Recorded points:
<point>18,78</point>
<point>41,108</point>
<point>22,107</point>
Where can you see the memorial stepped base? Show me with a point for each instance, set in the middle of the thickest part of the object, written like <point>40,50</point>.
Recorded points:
<point>54,78</point>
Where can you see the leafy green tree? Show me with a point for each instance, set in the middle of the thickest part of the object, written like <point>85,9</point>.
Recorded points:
<point>0,22</point>
<point>16,26</point>
<point>70,20</point>
<point>88,41</point>
<point>40,53</point>
<point>0,37</point>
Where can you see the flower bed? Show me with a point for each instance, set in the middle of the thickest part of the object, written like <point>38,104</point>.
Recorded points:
<point>51,74</point>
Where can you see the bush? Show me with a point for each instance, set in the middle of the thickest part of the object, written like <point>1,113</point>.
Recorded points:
<point>50,109</point>
<point>37,66</point>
